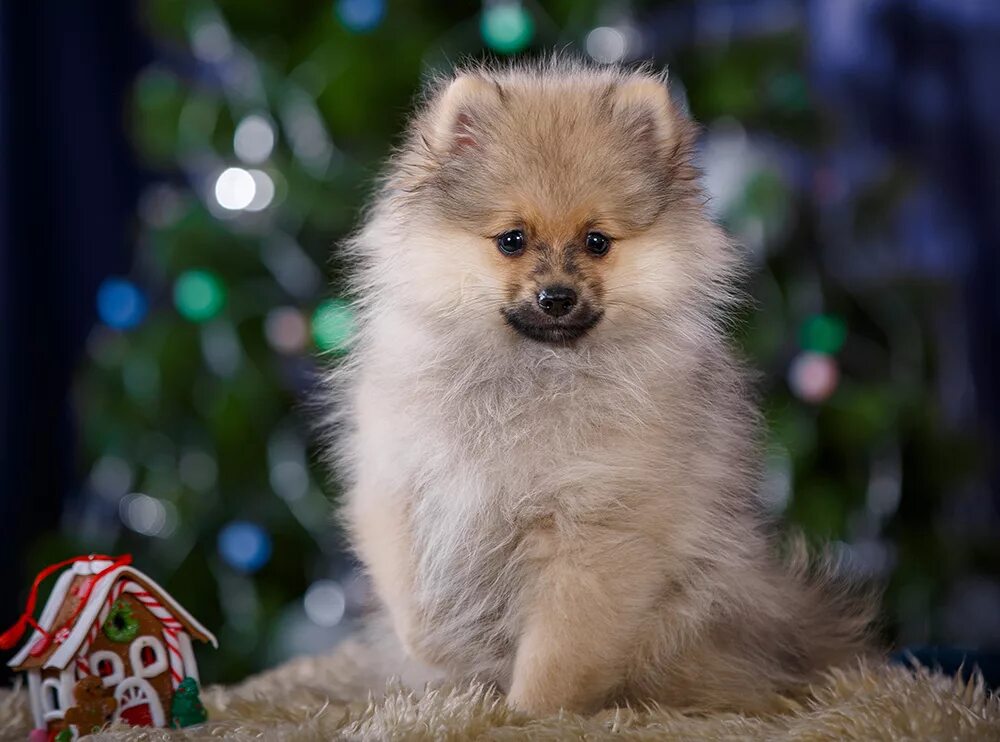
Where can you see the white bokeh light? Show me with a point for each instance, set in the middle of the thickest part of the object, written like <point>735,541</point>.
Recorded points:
<point>253,140</point>
<point>606,45</point>
<point>263,191</point>
<point>235,188</point>
<point>148,515</point>
<point>324,603</point>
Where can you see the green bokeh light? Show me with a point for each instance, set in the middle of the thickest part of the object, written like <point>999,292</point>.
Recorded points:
<point>199,295</point>
<point>823,333</point>
<point>333,325</point>
<point>507,27</point>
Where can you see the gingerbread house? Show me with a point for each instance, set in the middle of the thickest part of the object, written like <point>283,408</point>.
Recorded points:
<point>106,621</point>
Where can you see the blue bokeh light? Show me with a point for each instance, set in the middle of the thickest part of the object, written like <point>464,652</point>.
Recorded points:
<point>120,303</point>
<point>244,545</point>
<point>360,15</point>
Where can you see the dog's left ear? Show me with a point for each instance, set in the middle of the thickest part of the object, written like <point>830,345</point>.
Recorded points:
<point>646,111</point>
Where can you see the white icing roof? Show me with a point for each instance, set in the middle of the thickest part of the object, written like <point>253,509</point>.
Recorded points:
<point>78,632</point>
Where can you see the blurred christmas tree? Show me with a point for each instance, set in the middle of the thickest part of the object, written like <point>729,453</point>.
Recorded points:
<point>265,126</point>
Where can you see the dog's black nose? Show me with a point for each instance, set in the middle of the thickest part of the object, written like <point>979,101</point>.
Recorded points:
<point>556,301</point>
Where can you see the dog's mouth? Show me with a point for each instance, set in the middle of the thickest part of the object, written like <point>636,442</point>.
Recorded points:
<point>546,330</point>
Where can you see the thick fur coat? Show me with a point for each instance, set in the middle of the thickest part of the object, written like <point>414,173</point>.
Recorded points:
<point>566,507</point>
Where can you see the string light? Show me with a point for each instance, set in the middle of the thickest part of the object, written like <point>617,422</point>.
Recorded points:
<point>823,333</point>
<point>813,377</point>
<point>120,303</point>
<point>360,15</point>
<point>199,295</point>
<point>333,325</point>
<point>245,546</point>
<point>507,27</point>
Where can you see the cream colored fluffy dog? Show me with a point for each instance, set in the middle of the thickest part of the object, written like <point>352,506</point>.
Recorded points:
<point>551,452</point>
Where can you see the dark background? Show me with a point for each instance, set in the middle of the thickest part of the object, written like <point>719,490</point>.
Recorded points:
<point>157,349</point>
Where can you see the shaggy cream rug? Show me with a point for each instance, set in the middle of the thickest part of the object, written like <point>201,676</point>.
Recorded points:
<point>323,698</point>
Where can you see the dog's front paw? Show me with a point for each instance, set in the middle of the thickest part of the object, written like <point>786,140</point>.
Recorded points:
<point>531,705</point>
<point>545,699</point>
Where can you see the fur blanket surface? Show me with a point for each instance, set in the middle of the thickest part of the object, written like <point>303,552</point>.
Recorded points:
<point>326,698</point>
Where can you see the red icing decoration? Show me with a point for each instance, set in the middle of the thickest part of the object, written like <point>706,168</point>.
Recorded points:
<point>138,716</point>
<point>39,647</point>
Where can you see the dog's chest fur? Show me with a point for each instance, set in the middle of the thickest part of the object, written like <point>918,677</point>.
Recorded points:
<point>490,463</point>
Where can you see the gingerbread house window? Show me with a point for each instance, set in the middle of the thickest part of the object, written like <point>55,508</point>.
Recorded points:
<point>148,657</point>
<point>108,666</point>
<point>52,698</point>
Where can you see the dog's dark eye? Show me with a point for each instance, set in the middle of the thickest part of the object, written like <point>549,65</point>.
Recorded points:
<point>597,243</point>
<point>511,243</point>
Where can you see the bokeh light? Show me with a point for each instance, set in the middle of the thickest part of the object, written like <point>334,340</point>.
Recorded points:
<point>287,472</point>
<point>263,191</point>
<point>210,41</point>
<point>141,378</point>
<point>244,545</point>
<point>360,15</point>
<point>333,325</point>
<point>198,470</point>
<point>823,333</point>
<point>324,603</point>
<point>221,348</point>
<point>606,45</point>
<point>253,140</point>
<point>120,303</point>
<point>813,377</point>
<point>111,477</point>
<point>147,515</point>
<point>235,188</point>
<point>286,330</point>
<point>507,27</point>
<point>199,295</point>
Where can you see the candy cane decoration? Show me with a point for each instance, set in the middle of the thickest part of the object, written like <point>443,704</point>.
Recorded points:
<point>171,628</point>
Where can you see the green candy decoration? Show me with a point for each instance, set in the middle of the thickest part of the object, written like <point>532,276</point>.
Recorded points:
<point>65,735</point>
<point>186,708</point>
<point>121,625</point>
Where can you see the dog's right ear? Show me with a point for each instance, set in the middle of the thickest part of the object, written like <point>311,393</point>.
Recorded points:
<point>459,115</point>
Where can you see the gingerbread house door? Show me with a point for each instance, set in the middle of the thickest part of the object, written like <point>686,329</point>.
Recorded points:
<point>138,703</point>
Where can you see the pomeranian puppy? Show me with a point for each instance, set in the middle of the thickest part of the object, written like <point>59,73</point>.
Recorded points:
<point>551,453</point>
